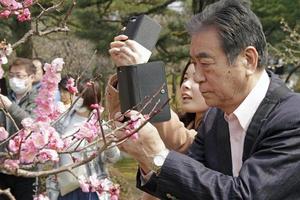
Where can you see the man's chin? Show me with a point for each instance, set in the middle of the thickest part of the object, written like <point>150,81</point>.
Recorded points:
<point>210,100</point>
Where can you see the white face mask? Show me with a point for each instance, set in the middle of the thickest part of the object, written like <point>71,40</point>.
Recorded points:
<point>18,85</point>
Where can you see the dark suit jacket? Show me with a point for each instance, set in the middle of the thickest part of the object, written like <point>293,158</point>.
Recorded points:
<point>271,157</point>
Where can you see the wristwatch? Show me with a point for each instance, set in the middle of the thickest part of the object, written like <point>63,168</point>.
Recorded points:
<point>159,160</point>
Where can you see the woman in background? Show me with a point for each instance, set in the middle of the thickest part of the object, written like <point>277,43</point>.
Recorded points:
<point>193,107</point>
<point>65,96</point>
<point>68,185</point>
<point>192,102</point>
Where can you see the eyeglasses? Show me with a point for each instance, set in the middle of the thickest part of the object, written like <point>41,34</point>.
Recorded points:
<point>20,76</point>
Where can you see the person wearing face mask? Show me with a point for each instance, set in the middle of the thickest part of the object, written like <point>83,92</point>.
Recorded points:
<point>68,186</point>
<point>19,104</point>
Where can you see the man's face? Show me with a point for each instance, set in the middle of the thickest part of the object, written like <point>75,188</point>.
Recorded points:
<point>19,72</point>
<point>221,84</point>
<point>39,71</point>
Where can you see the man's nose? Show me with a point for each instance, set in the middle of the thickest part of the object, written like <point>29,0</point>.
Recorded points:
<point>199,75</point>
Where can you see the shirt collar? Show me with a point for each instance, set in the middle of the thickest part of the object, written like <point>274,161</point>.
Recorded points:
<point>248,107</point>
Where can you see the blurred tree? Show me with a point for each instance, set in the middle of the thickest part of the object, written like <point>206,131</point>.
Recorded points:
<point>199,5</point>
<point>100,20</point>
<point>271,12</point>
<point>46,19</point>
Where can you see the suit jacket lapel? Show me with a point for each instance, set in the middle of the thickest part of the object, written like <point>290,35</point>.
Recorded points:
<point>274,93</point>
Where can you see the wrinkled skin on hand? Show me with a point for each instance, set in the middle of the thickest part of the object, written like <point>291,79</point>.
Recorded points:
<point>126,52</point>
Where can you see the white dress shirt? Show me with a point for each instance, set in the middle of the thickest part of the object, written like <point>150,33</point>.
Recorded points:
<point>239,120</point>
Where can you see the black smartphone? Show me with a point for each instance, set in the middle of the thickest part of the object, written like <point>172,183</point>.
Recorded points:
<point>143,30</point>
<point>144,86</point>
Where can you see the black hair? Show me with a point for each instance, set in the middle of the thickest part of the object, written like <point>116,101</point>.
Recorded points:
<point>62,85</point>
<point>91,95</point>
<point>186,118</point>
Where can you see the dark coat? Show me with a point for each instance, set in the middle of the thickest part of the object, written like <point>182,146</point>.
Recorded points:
<point>271,157</point>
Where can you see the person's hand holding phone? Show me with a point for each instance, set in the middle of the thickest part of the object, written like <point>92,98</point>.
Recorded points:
<point>145,146</point>
<point>126,52</point>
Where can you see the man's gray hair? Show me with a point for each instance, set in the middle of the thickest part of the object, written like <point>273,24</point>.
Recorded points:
<point>238,27</point>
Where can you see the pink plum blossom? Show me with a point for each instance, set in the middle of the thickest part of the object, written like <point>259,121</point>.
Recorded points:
<point>27,123</point>
<point>57,64</point>
<point>88,131</point>
<point>3,59</point>
<point>11,4</point>
<point>114,192</point>
<point>3,134</point>
<point>11,164</point>
<point>102,187</point>
<point>1,72</point>
<point>48,155</point>
<point>95,183</point>
<point>41,197</point>
<point>84,185</point>
<point>40,139</point>
<point>13,7</point>
<point>71,86</point>
<point>89,84</point>
<point>47,110</point>
<point>14,144</point>
<point>28,151</point>
<point>5,13</point>
<point>55,141</point>
<point>95,106</point>
<point>27,3</point>
<point>134,123</point>
<point>24,15</point>
<point>5,49</point>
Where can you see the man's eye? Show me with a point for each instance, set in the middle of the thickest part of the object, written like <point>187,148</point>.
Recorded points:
<point>206,64</point>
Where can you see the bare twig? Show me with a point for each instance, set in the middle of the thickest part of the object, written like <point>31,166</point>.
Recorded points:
<point>10,117</point>
<point>7,193</point>
<point>64,21</point>
<point>36,31</point>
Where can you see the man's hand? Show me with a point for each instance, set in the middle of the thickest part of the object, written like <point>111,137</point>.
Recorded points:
<point>128,52</point>
<point>4,102</point>
<point>145,147</point>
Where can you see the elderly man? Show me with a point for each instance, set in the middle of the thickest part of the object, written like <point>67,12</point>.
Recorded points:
<point>19,104</point>
<point>248,146</point>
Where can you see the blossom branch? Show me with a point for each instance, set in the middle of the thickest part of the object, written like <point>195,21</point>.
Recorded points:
<point>31,32</point>
<point>7,193</point>
<point>62,28</point>
<point>6,113</point>
<point>27,173</point>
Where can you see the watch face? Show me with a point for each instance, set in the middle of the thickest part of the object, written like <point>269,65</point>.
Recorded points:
<point>159,160</point>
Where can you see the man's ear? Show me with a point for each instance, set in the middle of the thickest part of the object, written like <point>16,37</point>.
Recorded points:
<point>251,58</point>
